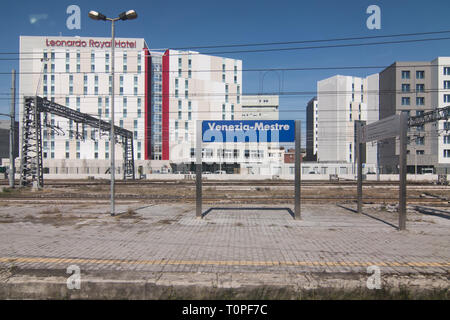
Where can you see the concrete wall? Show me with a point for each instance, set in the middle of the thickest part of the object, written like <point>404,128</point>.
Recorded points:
<point>225,177</point>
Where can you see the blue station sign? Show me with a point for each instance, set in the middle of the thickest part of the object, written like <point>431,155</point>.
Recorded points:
<point>248,131</point>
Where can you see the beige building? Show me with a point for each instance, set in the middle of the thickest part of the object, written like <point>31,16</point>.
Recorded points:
<point>417,87</point>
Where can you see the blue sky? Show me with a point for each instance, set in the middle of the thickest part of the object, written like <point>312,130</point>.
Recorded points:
<point>170,24</point>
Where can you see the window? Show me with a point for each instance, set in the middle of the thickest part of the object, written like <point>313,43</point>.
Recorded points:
<point>420,87</point>
<point>447,153</point>
<point>420,74</point>
<point>420,141</point>
<point>420,152</point>
<point>406,101</point>
<point>446,84</point>
<point>406,75</point>
<point>446,71</point>
<point>446,139</point>
<point>446,97</point>
<point>420,101</point>
<point>405,87</point>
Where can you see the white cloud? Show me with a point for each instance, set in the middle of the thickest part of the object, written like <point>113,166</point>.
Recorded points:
<point>34,18</point>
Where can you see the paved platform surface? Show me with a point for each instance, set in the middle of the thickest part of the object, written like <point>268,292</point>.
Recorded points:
<point>241,239</point>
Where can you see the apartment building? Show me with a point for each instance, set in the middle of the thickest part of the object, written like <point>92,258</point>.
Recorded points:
<point>440,70</point>
<point>417,87</point>
<point>340,101</point>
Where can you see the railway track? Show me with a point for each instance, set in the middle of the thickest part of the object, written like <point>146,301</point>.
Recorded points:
<point>74,183</point>
<point>218,199</point>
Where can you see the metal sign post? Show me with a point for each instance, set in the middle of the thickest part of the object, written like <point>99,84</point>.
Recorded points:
<point>220,131</point>
<point>198,169</point>
<point>403,128</point>
<point>298,171</point>
<point>359,151</point>
<point>396,125</point>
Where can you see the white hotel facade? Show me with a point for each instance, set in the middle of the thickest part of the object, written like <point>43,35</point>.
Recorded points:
<point>159,96</point>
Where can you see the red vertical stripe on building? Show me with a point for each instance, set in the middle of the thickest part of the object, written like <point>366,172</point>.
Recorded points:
<point>165,106</point>
<point>148,107</point>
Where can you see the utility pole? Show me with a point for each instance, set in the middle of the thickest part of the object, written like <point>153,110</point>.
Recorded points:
<point>12,129</point>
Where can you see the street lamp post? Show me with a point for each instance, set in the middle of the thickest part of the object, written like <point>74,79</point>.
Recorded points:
<point>128,15</point>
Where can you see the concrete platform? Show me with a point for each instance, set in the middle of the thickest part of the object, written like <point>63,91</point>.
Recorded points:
<point>231,241</point>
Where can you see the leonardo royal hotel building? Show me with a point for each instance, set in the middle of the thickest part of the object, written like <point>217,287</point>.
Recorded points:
<point>158,96</point>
